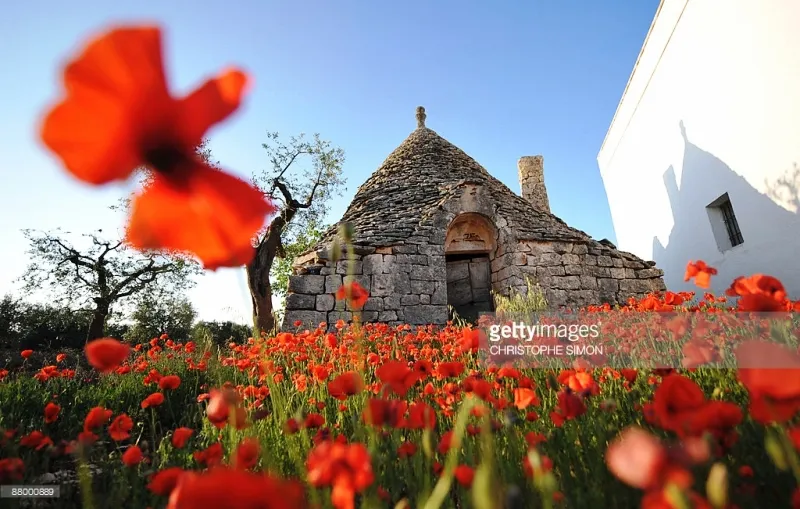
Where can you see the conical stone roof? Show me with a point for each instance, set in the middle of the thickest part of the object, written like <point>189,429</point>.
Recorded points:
<point>422,174</point>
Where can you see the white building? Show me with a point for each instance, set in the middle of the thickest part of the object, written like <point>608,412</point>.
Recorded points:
<point>702,158</point>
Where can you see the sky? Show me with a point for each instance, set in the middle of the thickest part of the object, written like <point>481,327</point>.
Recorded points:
<point>500,80</point>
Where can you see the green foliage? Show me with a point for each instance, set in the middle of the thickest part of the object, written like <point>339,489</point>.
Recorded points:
<point>172,315</point>
<point>220,333</point>
<point>282,269</point>
<point>521,303</point>
<point>36,326</point>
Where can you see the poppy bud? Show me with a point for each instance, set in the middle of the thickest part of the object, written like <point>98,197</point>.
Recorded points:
<point>336,250</point>
<point>717,486</point>
<point>775,451</point>
<point>346,231</point>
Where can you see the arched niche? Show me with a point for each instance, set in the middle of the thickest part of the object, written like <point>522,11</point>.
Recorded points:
<point>470,233</point>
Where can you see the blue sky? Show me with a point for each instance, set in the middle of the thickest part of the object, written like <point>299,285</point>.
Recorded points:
<point>500,80</point>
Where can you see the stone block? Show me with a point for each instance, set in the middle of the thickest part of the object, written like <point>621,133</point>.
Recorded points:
<point>439,296</point>
<point>373,304</point>
<point>426,273</point>
<point>372,264</point>
<point>405,249</point>
<point>617,262</point>
<point>431,250</point>
<point>567,282</point>
<point>649,273</point>
<point>423,315</point>
<point>589,261</point>
<point>419,259</point>
<point>387,316</point>
<point>459,293</point>
<point>369,316</point>
<point>383,250</point>
<point>479,275</point>
<point>633,286</point>
<point>301,301</point>
<point>390,284</point>
<point>608,285</point>
<point>633,264</point>
<point>604,261</point>
<point>332,283</point>
<point>436,261</point>
<point>617,273</point>
<point>579,249</point>
<point>409,300</point>
<point>457,271</point>
<point>588,283</point>
<point>420,287</point>
<point>308,284</point>
<point>573,270</point>
<point>424,299</point>
<point>309,319</point>
<point>325,302</point>
<point>343,267</point>
<point>551,271</point>
<point>570,259</point>
<point>391,302</point>
<point>335,316</point>
<point>597,271</point>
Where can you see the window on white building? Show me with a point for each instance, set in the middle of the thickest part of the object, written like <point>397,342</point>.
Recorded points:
<point>724,224</point>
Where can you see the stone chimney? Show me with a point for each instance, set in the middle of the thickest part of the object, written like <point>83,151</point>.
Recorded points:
<point>531,180</point>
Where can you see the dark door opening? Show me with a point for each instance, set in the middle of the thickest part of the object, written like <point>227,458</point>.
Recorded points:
<point>469,284</point>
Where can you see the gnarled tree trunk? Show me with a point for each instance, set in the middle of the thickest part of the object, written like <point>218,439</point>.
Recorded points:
<point>98,325</point>
<point>260,289</point>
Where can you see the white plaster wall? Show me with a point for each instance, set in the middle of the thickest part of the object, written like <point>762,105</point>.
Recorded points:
<point>728,71</point>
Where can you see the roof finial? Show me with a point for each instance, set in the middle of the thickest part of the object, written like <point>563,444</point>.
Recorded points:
<point>420,117</point>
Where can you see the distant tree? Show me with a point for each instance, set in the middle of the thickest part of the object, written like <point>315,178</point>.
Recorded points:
<point>169,315</point>
<point>302,177</point>
<point>108,272</point>
<point>28,325</point>
<point>221,332</point>
<point>102,273</point>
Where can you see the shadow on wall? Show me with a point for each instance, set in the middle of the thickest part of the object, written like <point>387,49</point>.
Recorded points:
<point>770,234</point>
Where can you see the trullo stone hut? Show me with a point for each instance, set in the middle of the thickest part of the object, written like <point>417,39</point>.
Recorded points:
<point>433,228</point>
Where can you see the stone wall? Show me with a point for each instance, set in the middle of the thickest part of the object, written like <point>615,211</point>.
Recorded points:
<point>575,274</point>
<point>531,181</point>
<point>406,284</point>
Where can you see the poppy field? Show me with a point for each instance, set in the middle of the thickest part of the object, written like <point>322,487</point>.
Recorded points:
<point>691,403</point>
<point>373,416</point>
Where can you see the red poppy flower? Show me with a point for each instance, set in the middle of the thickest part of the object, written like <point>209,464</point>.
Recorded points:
<point>51,411</point>
<point>120,428</point>
<point>700,272</point>
<point>180,436</point>
<point>758,293</point>
<point>771,374</point>
<point>346,384</point>
<point>153,400</point>
<point>132,456</point>
<point>234,489</point>
<point>105,355</point>
<point>96,417</point>
<point>118,115</point>
<point>355,294</point>
<point>169,382</point>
